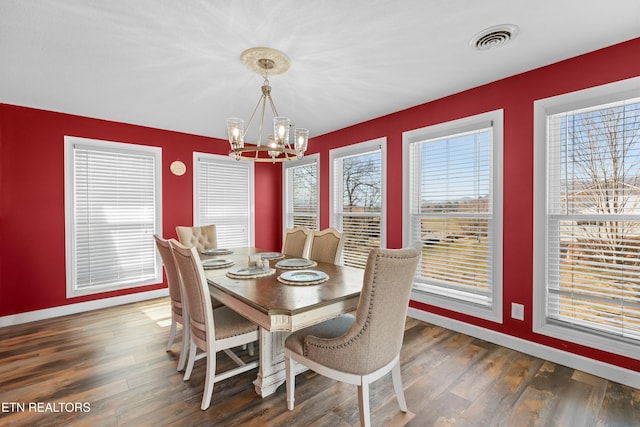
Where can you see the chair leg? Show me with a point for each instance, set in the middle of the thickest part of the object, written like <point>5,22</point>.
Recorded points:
<point>363,403</point>
<point>209,380</point>
<point>172,334</point>
<point>185,348</point>
<point>291,381</point>
<point>192,359</point>
<point>397,386</point>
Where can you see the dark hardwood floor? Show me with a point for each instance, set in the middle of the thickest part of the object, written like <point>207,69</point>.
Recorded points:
<point>109,368</point>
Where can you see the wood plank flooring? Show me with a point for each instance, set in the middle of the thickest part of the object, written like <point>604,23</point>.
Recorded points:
<point>110,368</point>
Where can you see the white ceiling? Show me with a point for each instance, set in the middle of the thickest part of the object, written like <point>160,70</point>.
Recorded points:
<point>175,64</point>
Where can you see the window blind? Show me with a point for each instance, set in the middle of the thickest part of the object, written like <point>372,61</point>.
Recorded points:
<point>114,213</point>
<point>451,213</point>
<point>593,218</point>
<point>301,190</point>
<point>224,190</point>
<point>358,202</point>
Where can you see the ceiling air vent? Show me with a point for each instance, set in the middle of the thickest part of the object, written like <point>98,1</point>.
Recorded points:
<point>493,37</point>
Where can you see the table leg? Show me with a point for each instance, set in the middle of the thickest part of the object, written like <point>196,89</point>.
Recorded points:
<point>271,372</point>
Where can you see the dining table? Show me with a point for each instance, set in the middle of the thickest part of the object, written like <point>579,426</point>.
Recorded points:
<point>283,295</point>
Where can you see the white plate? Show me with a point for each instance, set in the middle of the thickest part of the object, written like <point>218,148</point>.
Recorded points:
<point>304,276</point>
<point>216,262</point>
<point>217,252</point>
<point>294,262</point>
<point>270,255</point>
<point>247,271</point>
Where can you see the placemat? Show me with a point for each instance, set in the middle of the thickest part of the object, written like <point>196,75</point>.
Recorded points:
<point>297,267</point>
<point>268,272</point>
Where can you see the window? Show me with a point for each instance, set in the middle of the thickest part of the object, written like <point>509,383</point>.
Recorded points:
<point>223,195</point>
<point>453,205</point>
<point>112,209</point>
<point>300,193</point>
<point>587,217</point>
<point>358,199</point>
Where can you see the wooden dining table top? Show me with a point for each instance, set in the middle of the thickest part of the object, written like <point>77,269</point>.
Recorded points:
<point>272,297</point>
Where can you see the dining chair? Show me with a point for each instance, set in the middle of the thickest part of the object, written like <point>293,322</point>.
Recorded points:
<point>326,245</point>
<point>211,330</point>
<point>362,348</point>
<point>202,237</point>
<point>179,312</point>
<point>295,241</point>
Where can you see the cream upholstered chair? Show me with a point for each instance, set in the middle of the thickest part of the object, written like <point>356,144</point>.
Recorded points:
<point>295,241</point>
<point>326,245</point>
<point>362,348</point>
<point>203,237</point>
<point>210,330</point>
<point>179,312</point>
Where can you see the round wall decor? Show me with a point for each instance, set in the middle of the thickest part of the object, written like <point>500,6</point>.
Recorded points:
<point>178,168</point>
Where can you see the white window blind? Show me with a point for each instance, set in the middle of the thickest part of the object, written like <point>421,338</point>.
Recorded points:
<point>358,199</point>
<point>301,193</point>
<point>113,196</point>
<point>223,196</point>
<point>452,193</point>
<point>593,218</point>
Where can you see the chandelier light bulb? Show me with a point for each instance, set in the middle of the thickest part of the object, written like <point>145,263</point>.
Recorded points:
<point>281,127</point>
<point>235,128</point>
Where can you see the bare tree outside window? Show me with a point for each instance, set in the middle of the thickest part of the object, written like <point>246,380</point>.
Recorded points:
<point>362,183</point>
<point>303,190</point>
<point>361,206</point>
<point>599,217</point>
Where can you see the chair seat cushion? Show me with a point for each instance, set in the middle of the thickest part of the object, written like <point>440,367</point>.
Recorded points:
<point>328,329</point>
<point>228,323</point>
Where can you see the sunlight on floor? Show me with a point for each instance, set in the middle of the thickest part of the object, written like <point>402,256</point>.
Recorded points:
<point>160,313</point>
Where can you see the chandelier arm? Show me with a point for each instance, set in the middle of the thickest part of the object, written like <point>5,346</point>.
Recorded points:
<point>260,101</point>
<point>273,107</point>
<point>264,105</point>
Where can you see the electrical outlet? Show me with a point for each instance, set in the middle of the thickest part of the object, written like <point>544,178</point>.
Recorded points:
<point>517,311</point>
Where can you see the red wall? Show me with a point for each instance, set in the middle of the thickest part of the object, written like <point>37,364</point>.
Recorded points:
<point>32,264</point>
<point>516,96</point>
<point>32,228</point>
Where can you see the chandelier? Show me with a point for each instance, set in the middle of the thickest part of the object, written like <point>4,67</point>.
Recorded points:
<point>277,146</point>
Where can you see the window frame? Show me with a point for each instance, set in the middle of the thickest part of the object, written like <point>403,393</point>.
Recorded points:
<point>354,150</point>
<point>286,190</point>
<point>494,311</point>
<point>586,98</point>
<point>70,144</point>
<point>229,161</point>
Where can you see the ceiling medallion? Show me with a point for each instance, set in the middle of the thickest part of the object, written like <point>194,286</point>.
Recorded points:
<point>277,147</point>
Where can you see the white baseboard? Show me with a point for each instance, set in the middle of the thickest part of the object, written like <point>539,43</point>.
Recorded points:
<point>48,313</point>
<point>591,366</point>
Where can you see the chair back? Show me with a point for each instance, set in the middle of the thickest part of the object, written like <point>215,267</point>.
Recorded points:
<point>295,241</point>
<point>203,237</point>
<point>375,337</point>
<point>196,290</point>
<point>173,281</point>
<point>326,245</point>
<point>383,304</point>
